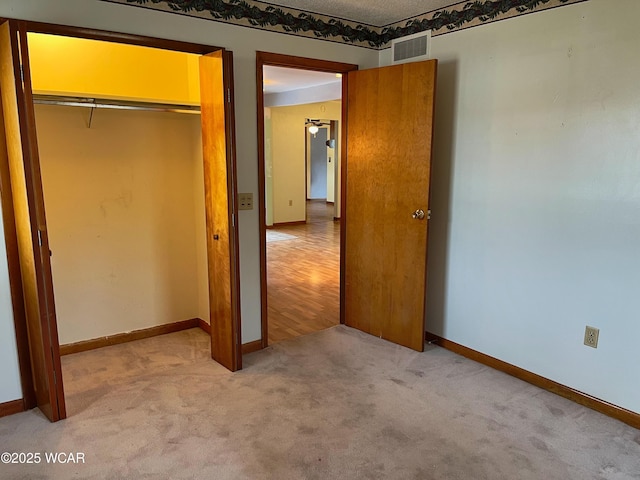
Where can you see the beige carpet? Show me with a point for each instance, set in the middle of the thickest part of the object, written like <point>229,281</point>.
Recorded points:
<point>333,405</point>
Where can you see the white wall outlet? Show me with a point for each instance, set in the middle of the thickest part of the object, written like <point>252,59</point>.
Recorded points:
<point>245,201</point>
<point>591,336</point>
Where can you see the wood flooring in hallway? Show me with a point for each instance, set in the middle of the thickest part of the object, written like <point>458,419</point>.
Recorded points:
<point>303,275</point>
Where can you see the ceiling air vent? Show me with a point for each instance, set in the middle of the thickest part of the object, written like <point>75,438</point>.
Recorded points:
<point>412,48</point>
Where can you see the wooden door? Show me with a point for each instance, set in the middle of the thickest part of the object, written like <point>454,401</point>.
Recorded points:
<point>389,136</point>
<point>30,226</point>
<point>218,140</point>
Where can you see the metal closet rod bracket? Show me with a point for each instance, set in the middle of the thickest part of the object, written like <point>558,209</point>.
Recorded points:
<point>94,103</point>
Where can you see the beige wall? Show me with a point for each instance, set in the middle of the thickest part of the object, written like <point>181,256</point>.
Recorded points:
<point>125,212</point>
<point>289,156</point>
<point>91,68</point>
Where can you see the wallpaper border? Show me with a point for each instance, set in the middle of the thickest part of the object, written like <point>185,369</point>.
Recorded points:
<point>258,14</point>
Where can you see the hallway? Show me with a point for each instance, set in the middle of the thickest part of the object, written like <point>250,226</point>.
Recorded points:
<point>303,274</point>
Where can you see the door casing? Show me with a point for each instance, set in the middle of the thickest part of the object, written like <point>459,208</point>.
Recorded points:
<point>301,63</point>
<point>287,61</point>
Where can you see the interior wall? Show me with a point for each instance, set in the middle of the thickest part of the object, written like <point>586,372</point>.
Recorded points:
<point>197,177</point>
<point>536,194</point>
<point>268,167</point>
<point>288,163</point>
<point>125,214</point>
<point>92,68</point>
<point>332,163</point>
<point>289,156</point>
<point>10,388</point>
<point>317,164</point>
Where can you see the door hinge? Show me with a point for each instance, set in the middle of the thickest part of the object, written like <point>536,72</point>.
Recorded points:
<point>228,95</point>
<point>21,73</point>
<point>233,219</point>
<point>40,237</point>
<point>428,214</point>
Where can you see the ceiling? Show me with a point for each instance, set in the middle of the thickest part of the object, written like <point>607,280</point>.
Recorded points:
<point>378,13</point>
<point>280,79</point>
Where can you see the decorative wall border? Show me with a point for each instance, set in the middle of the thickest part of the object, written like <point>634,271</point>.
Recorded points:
<point>257,14</point>
<point>466,14</point>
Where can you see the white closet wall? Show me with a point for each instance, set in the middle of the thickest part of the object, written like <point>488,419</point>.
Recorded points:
<point>125,212</point>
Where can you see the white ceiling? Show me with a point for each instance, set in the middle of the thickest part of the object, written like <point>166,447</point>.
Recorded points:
<point>279,79</point>
<point>378,13</point>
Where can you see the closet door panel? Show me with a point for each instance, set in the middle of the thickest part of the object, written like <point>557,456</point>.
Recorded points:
<point>30,222</point>
<point>220,204</point>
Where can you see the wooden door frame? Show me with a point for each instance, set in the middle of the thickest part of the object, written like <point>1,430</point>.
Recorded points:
<point>15,280</point>
<point>301,63</point>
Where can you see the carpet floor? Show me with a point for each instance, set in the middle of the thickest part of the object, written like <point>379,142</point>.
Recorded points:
<point>337,404</point>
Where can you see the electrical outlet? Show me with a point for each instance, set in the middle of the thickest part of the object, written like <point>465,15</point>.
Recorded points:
<point>291,203</point>
<point>245,201</point>
<point>591,336</point>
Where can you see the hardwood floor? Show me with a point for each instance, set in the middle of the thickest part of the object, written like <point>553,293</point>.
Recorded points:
<point>303,275</point>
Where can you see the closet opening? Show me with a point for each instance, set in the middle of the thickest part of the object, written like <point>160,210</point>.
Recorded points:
<point>122,174</point>
<point>125,136</point>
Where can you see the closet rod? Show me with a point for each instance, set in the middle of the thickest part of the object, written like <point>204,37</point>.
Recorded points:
<point>116,104</point>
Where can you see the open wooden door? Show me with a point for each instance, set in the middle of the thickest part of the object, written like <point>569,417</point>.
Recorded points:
<point>389,135</point>
<point>18,122</point>
<point>218,140</point>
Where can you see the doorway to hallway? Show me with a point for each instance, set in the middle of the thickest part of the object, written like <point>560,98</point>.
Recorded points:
<point>303,268</point>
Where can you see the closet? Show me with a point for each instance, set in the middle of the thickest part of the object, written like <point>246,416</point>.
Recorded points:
<point>123,184</point>
<point>101,131</point>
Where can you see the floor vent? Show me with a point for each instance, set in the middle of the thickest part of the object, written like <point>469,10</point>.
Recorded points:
<point>412,48</point>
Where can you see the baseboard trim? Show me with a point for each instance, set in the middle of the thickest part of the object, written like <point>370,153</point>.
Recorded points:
<point>289,224</point>
<point>118,338</point>
<point>609,409</point>
<point>12,407</point>
<point>204,326</point>
<point>251,347</point>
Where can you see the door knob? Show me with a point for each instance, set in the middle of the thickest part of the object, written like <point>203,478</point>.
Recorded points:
<point>418,214</point>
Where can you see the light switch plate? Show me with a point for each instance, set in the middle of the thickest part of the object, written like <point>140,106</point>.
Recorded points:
<point>245,201</point>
